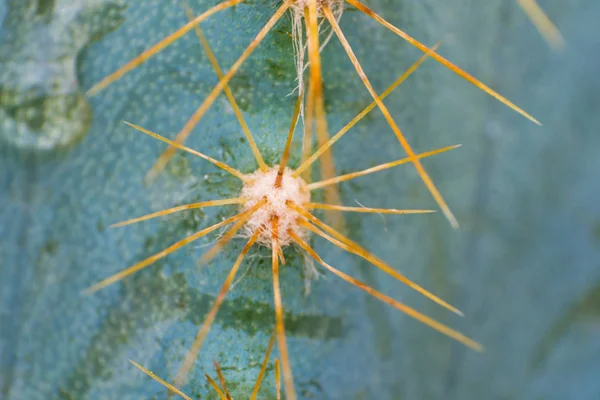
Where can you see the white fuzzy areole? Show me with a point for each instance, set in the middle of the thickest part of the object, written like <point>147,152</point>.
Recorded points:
<point>262,184</point>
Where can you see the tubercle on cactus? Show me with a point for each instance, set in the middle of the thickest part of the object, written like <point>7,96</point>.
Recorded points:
<point>275,211</point>
<point>310,11</point>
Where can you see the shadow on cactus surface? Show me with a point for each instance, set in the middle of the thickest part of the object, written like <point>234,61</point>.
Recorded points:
<point>523,267</point>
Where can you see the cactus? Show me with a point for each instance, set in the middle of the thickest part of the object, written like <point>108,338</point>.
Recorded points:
<point>524,196</point>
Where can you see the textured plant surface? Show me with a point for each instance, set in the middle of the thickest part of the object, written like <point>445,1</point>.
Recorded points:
<point>523,267</point>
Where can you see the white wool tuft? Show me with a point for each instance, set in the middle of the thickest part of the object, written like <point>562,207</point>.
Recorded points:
<point>335,5</point>
<point>261,185</point>
<point>300,46</point>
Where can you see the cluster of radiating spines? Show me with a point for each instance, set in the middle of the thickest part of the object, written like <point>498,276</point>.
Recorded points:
<point>221,387</point>
<point>543,23</point>
<point>309,11</point>
<point>261,225</point>
<point>283,205</point>
<point>305,222</point>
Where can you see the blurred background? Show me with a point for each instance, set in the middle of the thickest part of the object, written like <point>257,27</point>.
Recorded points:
<point>524,266</point>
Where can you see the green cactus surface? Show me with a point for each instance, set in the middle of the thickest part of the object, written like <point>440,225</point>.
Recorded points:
<point>524,267</point>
